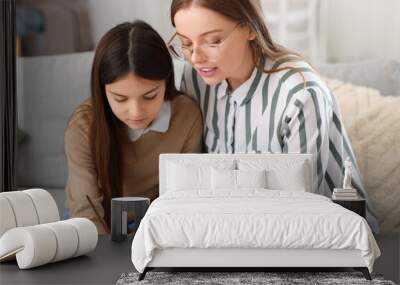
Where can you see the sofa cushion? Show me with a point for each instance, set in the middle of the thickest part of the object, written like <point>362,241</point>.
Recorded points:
<point>372,123</point>
<point>383,75</point>
<point>52,87</point>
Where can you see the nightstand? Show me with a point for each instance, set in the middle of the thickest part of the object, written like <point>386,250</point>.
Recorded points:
<point>356,205</point>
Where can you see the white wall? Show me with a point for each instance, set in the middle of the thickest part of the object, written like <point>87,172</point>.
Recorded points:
<point>294,24</point>
<point>355,29</point>
<point>106,14</point>
<point>350,30</point>
<point>363,29</point>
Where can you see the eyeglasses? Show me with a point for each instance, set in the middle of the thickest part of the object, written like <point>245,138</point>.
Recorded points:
<point>209,50</point>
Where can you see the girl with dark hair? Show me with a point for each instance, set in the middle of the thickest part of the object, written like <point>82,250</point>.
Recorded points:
<point>255,95</point>
<point>113,140</point>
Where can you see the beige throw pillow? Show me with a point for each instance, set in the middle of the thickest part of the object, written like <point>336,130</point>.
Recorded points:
<point>372,122</point>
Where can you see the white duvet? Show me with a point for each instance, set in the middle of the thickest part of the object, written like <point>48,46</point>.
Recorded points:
<point>253,218</point>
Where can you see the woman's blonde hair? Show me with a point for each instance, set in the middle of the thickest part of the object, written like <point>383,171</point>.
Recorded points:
<point>248,13</point>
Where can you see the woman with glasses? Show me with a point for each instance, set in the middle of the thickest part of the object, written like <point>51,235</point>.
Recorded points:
<point>114,139</point>
<point>255,95</point>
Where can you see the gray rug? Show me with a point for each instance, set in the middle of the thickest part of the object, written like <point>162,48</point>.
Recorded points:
<point>269,278</point>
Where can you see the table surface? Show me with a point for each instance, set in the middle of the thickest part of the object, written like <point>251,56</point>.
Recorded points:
<point>104,265</point>
<point>110,259</point>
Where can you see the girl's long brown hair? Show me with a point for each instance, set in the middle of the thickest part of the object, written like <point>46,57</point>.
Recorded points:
<point>248,13</point>
<point>129,47</point>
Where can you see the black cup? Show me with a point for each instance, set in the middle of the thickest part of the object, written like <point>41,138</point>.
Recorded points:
<point>126,214</point>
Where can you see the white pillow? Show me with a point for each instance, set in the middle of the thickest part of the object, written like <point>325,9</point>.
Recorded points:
<point>223,179</point>
<point>183,178</point>
<point>251,178</point>
<point>196,174</point>
<point>281,175</point>
<point>237,179</point>
<point>292,180</point>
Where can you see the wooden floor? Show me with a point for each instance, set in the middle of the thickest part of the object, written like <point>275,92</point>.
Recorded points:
<point>389,262</point>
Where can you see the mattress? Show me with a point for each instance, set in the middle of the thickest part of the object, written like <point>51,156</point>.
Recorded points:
<point>250,219</point>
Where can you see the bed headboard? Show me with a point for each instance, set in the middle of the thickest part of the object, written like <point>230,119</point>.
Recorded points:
<point>271,161</point>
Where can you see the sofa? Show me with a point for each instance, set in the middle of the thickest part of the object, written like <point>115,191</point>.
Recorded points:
<point>51,87</point>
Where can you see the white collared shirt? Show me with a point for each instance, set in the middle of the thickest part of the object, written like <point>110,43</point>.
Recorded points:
<point>160,124</point>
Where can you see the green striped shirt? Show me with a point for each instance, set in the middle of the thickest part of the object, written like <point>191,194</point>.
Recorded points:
<point>278,113</point>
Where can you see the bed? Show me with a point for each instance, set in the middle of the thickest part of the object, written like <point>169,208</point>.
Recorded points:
<point>247,211</point>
